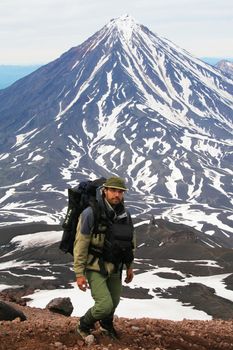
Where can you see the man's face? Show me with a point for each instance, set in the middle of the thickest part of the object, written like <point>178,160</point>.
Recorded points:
<point>113,195</point>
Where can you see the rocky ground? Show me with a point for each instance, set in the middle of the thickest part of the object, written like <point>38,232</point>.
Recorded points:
<point>45,330</point>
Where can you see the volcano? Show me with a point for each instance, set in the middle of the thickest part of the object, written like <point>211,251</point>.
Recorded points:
<point>125,102</point>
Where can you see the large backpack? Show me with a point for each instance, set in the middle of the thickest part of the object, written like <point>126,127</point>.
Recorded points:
<point>79,198</point>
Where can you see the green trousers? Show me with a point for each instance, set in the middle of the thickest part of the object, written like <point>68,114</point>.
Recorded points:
<point>105,291</point>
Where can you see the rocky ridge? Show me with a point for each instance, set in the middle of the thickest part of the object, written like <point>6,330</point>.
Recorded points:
<point>45,330</point>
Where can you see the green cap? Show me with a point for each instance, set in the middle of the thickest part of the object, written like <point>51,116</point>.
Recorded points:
<point>115,182</point>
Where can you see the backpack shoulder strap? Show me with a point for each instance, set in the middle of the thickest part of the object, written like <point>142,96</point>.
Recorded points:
<point>96,213</point>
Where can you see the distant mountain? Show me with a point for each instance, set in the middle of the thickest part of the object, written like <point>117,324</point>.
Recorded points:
<point>214,60</point>
<point>125,102</point>
<point>10,73</point>
<point>226,67</point>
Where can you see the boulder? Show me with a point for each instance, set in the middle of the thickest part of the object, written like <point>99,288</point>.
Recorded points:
<point>9,312</point>
<point>61,306</point>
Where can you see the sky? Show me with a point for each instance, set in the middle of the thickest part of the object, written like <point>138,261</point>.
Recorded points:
<point>39,31</point>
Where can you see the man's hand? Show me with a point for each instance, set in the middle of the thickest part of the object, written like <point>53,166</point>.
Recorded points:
<point>129,275</point>
<point>82,283</point>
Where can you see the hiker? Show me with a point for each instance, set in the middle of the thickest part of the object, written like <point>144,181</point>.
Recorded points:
<point>98,260</point>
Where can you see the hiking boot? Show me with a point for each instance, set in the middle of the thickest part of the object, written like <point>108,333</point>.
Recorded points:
<point>108,328</point>
<point>83,329</point>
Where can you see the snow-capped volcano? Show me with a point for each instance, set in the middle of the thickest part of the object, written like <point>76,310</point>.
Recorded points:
<point>124,102</point>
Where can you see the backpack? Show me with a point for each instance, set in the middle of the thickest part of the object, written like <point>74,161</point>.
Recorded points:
<point>79,198</point>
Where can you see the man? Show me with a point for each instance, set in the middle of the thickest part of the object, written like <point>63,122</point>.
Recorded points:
<point>98,261</point>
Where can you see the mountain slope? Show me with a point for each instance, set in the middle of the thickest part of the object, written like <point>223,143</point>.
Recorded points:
<point>125,102</point>
<point>179,273</point>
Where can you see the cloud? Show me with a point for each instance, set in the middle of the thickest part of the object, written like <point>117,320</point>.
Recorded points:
<point>41,30</point>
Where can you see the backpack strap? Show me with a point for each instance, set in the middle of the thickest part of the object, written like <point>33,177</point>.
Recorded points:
<point>96,213</point>
<point>97,253</point>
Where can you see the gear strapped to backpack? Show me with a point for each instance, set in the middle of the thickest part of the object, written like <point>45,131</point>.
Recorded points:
<point>79,198</point>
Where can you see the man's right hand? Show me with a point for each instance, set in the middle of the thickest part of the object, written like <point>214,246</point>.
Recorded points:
<point>82,283</point>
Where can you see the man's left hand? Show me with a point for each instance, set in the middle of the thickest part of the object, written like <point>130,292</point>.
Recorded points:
<point>129,275</point>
